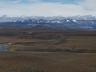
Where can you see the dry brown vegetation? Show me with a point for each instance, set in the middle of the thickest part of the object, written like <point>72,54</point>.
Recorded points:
<point>47,62</point>
<point>50,41</point>
<point>48,51</point>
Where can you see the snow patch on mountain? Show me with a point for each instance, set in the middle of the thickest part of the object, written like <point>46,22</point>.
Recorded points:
<point>74,20</point>
<point>68,21</point>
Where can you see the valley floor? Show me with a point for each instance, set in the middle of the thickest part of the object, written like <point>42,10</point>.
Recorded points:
<point>48,51</point>
<point>47,62</point>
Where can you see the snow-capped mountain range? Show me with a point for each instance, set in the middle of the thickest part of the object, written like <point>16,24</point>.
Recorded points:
<point>4,18</point>
<point>87,22</point>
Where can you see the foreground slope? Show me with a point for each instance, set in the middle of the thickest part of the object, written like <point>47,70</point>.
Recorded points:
<point>47,62</point>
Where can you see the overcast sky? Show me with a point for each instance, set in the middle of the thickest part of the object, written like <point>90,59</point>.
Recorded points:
<point>47,7</point>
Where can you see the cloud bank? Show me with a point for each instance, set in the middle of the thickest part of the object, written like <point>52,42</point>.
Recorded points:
<point>40,8</point>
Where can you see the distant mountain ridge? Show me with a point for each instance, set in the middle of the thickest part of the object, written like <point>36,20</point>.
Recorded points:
<point>43,23</point>
<point>5,18</point>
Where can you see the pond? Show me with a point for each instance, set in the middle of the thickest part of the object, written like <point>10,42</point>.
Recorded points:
<point>2,47</point>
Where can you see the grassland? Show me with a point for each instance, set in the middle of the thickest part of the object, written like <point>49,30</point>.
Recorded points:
<point>47,62</point>
<point>48,51</point>
<point>50,41</point>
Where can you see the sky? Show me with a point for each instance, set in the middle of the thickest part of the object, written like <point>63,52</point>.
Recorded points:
<point>47,8</point>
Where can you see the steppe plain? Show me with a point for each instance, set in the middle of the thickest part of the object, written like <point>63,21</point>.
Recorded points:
<point>48,51</point>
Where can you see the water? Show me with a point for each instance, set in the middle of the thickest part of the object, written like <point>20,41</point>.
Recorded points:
<point>2,47</point>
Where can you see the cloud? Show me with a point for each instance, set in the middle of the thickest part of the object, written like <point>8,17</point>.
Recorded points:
<point>34,0</point>
<point>15,1</point>
<point>89,5</point>
<point>40,8</point>
<point>11,1</point>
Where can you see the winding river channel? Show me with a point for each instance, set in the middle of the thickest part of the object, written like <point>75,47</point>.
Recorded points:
<point>2,47</point>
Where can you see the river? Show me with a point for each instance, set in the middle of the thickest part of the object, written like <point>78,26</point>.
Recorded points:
<point>2,47</point>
